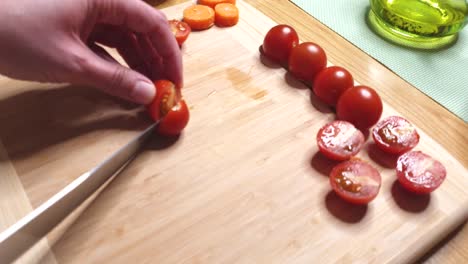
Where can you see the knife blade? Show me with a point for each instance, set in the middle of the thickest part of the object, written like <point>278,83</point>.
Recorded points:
<point>22,235</point>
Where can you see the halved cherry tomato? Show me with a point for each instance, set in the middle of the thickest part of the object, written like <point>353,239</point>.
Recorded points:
<point>165,99</point>
<point>180,29</point>
<point>306,61</point>
<point>360,105</point>
<point>279,42</point>
<point>420,173</point>
<point>355,181</point>
<point>175,121</point>
<point>395,135</point>
<point>331,82</point>
<point>339,140</point>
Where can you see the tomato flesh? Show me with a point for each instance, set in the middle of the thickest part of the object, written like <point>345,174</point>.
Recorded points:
<point>420,173</point>
<point>360,105</point>
<point>395,135</point>
<point>331,82</point>
<point>180,29</point>
<point>165,99</point>
<point>278,43</point>
<point>339,140</point>
<point>175,121</point>
<point>355,181</point>
<point>306,61</point>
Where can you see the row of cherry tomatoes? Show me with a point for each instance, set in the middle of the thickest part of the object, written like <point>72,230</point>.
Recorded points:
<point>358,107</point>
<point>307,61</point>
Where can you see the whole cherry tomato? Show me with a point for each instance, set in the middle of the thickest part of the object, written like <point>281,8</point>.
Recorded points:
<point>180,29</point>
<point>306,61</point>
<point>279,42</point>
<point>175,121</point>
<point>331,82</point>
<point>360,105</point>
<point>355,181</point>
<point>419,172</point>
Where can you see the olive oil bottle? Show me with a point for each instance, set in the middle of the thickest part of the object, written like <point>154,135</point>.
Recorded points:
<point>424,24</point>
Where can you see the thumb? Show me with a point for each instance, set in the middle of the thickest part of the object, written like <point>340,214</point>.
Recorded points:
<point>113,78</point>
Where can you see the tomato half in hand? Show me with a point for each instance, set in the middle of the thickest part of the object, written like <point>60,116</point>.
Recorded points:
<point>278,43</point>
<point>175,121</point>
<point>395,135</point>
<point>306,61</point>
<point>165,99</point>
<point>331,82</point>
<point>339,140</point>
<point>420,173</point>
<point>360,105</point>
<point>180,29</point>
<point>355,181</point>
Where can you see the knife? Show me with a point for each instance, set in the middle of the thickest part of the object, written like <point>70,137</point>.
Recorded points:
<point>19,237</point>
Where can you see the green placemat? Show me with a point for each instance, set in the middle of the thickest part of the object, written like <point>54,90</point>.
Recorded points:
<point>442,75</point>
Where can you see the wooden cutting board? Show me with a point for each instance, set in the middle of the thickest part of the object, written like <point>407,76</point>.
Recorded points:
<point>243,184</point>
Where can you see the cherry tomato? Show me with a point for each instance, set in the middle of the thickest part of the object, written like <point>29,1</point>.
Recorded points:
<point>279,42</point>
<point>164,100</point>
<point>355,181</point>
<point>331,82</point>
<point>360,105</point>
<point>175,121</point>
<point>395,135</point>
<point>339,140</point>
<point>419,172</point>
<point>180,29</point>
<point>306,61</point>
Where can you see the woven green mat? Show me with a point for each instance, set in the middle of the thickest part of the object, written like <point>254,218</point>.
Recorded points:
<point>442,75</point>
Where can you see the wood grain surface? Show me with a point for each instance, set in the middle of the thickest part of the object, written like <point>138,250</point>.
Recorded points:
<point>244,182</point>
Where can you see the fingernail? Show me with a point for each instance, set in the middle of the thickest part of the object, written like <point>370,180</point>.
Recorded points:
<point>143,92</point>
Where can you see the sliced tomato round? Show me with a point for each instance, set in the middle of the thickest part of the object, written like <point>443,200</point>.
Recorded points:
<point>420,173</point>
<point>165,99</point>
<point>355,181</point>
<point>360,105</point>
<point>395,135</point>
<point>279,42</point>
<point>339,140</point>
<point>306,61</point>
<point>331,82</point>
<point>175,121</point>
<point>180,29</point>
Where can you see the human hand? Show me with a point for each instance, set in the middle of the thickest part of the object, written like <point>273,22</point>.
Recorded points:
<point>57,41</point>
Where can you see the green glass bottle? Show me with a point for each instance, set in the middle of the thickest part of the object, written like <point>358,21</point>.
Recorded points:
<point>422,24</point>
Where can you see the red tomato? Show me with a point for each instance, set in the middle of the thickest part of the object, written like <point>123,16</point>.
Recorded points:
<point>279,42</point>
<point>355,181</point>
<point>339,140</point>
<point>175,121</point>
<point>306,61</point>
<point>395,135</point>
<point>331,82</point>
<point>180,29</point>
<point>360,105</point>
<point>164,100</point>
<point>419,172</point>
